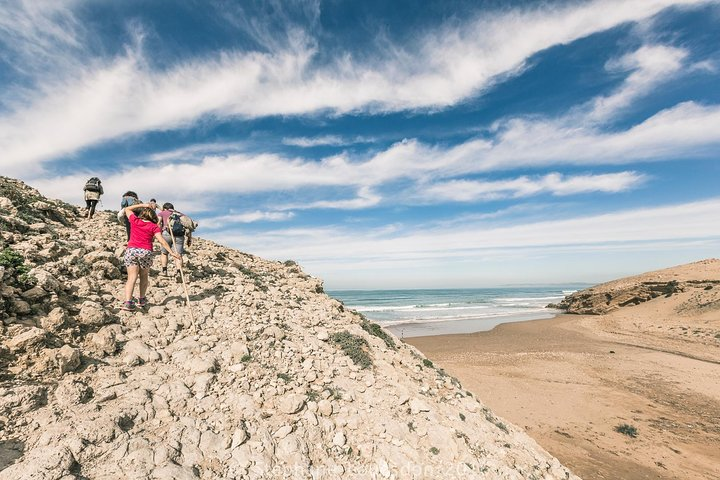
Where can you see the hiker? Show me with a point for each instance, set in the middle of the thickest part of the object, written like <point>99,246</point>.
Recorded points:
<point>139,252</point>
<point>93,189</point>
<point>174,233</point>
<point>129,198</point>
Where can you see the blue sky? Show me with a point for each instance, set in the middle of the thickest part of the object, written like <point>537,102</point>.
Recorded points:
<point>384,144</point>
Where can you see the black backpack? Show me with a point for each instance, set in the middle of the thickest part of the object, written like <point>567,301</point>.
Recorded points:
<point>92,185</point>
<point>176,226</point>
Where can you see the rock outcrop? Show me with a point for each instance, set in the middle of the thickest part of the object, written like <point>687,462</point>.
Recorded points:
<point>606,297</point>
<point>273,379</point>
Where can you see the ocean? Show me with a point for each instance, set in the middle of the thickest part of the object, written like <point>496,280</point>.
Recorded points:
<point>414,313</point>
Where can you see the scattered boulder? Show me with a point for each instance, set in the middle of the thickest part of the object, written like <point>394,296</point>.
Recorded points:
<point>54,320</point>
<point>27,339</point>
<point>92,313</point>
<point>68,359</point>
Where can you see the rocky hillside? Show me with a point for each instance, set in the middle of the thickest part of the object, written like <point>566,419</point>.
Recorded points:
<point>273,380</point>
<point>700,277</point>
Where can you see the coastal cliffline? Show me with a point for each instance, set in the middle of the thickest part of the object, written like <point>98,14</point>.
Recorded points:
<point>269,377</point>
<point>607,297</point>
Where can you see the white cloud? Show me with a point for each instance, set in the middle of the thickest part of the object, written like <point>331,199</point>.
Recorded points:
<point>223,221</point>
<point>196,151</point>
<point>37,35</point>
<point>553,183</point>
<point>675,225</point>
<point>365,198</point>
<point>325,140</point>
<point>331,140</point>
<point>686,130</point>
<point>651,65</point>
<point>115,97</point>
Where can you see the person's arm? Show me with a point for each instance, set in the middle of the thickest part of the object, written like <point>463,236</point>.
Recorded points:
<point>188,237</point>
<point>130,208</point>
<point>166,246</point>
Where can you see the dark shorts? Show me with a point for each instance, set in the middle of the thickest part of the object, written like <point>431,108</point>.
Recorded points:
<point>138,256</point>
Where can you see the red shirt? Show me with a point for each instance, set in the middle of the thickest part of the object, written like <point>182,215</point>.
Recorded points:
<point>141,233</point>
<point>164,216</point>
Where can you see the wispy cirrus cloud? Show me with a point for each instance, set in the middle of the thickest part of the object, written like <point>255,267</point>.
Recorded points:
<point>325,140</point>
<point>685,130</point>
<point>678,224</point>
<point>650,65</point>
<point>40,35</point>
<point>524,186</point>
<point>365,198</point>
<point>225,221</point>
<point>118,96</point>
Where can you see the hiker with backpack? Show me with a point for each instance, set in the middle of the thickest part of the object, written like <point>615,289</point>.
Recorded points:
<point>93,189</point>
<point>129,198</point>
<point>139,253</point>
<point>176,231</point>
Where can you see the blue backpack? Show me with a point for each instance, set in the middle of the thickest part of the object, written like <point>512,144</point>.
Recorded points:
<point>127,201</point>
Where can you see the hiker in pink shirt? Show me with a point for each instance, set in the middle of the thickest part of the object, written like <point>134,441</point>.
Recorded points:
<point>139,252</point>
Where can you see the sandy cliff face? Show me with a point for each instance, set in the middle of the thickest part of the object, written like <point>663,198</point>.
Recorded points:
<point>274,380</point>
<point>700,277</point>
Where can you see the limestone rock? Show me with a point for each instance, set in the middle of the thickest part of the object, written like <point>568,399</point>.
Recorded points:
<point>274,331</point>
<point>325,408</point>
<point>137,348</point>
<point>21,307</point>
<point>34,294</point>
<point>104,340</point>
<point>292,404</point>
<point>29,338</point>
<point>92,313</point>
<point>54,320</point>
<point>417,406</point>
<point>339,439</point>
<point>45,280</point>
<point>73,392</point>
<point>68,358</point>
<point>239,437</point>
<point>22,399</point>
<point>47,463</point>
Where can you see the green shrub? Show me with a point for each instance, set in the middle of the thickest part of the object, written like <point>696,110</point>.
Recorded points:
<point>9,258</point>
<point>27,280</point>
<point>434,450</point>
<point>376,330</point>
<point>354,347</point>
<point>427,363</point>
<point>626,429</point>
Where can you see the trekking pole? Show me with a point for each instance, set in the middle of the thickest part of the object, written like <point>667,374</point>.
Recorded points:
<point>182,277</point>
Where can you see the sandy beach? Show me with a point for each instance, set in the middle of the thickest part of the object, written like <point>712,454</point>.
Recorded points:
<point>569,381</point>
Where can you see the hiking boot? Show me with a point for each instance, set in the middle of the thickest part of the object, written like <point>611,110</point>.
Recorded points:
<point>164,272</point>
<point>128,306</point>
<point>142,302</point>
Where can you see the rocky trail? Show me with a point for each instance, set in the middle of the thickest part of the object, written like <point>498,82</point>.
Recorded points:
<point>275,380</point>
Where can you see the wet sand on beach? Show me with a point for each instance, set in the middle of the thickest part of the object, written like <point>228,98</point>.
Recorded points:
<point>570,380</point>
